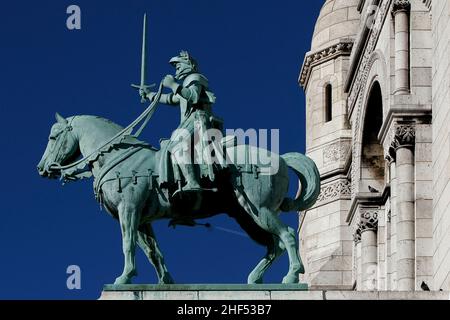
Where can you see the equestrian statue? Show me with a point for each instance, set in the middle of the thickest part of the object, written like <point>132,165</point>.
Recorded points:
<point>196,174</point>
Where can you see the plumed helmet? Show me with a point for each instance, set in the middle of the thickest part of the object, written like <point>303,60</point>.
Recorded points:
<point>185,58</point>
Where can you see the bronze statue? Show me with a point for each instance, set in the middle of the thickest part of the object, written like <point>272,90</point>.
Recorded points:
<point>138,184</point>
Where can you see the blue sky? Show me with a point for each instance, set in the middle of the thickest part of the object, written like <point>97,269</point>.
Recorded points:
<point>251,53</point>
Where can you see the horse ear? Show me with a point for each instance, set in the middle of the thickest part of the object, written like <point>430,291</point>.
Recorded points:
<point>60,119</point>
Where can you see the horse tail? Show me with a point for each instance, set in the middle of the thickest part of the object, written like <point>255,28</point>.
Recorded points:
<point>309,188</point>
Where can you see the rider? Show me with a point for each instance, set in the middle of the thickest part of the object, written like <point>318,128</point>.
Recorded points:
<point>195,102</point>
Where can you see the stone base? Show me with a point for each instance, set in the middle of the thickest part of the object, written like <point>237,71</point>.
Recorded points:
<point>253,292</point>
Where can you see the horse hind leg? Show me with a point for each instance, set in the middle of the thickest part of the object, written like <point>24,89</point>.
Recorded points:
<point>274,250</point>
<point>147,242</point>
<point>275,247</point>
<point>128,218</point>
<point>270,221</point>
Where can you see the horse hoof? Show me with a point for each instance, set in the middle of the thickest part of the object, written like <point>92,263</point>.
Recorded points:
<point>290,278</point>
<point>302,269</point>
<point>167,280</point>
<point>254,280</point>
<point>122,280</point>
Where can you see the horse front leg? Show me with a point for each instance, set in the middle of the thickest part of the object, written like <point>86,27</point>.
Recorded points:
<point>129,220</point>
<point>148,244</point>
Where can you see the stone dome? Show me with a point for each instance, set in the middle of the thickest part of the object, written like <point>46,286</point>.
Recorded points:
<point>338,19</point>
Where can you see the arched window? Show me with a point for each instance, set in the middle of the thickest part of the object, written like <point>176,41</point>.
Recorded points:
<point>328,103</point>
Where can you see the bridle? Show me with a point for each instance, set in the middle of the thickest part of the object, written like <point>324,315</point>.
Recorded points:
<point>81,169</point>
<point>61,136</point>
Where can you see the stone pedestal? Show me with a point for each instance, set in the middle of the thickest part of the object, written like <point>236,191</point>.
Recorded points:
<point>205,292</point>
<point>253,292</point>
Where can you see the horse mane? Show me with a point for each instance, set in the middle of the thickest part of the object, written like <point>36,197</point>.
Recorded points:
<point>112,124</point>
<point>109,122</point>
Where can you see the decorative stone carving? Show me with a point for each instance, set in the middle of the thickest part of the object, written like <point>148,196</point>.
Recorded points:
<point>369,220</point>
<point>401,6</point>
<point>357,90</point>
<point>336,190</point>
<point>367,60</point>
<point>357,236</point>
<point>336,152</point>
<point>390,159</point>
<point>405,136</point>
<point>344,47</point>
<point>427,3</point>
<point>389,151</point>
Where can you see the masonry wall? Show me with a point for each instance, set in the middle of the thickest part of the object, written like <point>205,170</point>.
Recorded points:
<point>325,240</point>
<point>421,46</point>
<point>441,144</point>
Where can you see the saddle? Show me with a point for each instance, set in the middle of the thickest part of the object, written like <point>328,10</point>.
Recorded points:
<point>204,171</point>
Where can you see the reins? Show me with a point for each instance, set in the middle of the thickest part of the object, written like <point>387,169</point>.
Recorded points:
<point>78,169</point>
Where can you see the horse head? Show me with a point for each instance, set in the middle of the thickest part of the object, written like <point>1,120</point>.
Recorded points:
<point>62,148</point>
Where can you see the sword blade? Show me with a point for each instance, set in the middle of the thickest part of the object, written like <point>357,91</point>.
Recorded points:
<point>144,52</point>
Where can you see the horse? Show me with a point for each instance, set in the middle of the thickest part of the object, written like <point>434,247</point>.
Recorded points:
<point>126,184</point>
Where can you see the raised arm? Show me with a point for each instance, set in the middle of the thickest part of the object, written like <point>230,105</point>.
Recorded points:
<point>169,99</point>
<point>190,93</point>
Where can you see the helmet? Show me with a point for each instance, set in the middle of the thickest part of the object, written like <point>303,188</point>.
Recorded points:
<point>185,58</point>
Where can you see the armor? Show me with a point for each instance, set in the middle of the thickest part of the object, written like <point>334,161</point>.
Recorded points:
<point>181,153</point>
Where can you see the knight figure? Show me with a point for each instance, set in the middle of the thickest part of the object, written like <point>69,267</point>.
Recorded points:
<point>182,156</point>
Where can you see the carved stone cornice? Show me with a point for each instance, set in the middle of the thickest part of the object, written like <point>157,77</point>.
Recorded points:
<point>368,220</point>
<point>401,6</point>
<point>342,48</point>
<point>333,191</point>
<point>405,136</point>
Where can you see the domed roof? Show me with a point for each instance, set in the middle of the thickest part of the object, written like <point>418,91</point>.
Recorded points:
<point>338,19</point>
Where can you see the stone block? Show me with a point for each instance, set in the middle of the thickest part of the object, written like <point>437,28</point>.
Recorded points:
<point>120,295</point>
<point>170,295</point>
<point>350,295</point>
<point>424,228</point>
<point>421,77</point>
<point>424,190</point>
<point>421,57</point>
<point>421,21</point>
<point>421,39</point>
<point>424,247</point>
<point>424,209</point>
<point>327,278</point>
<point>296,295</point>
<point>234,295</point>
<point>424,266</point>
<point>417,295</point>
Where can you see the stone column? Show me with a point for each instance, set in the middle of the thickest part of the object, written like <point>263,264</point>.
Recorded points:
<point>400,12</point>
<point>391,225</point>
<point>404,144</point>
<point>369,257</point>
<point>357,240</point>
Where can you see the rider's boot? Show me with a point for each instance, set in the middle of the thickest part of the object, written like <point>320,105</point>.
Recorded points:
<point>189,175</point>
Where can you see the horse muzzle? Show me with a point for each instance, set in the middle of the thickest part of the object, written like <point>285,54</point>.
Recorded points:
<point>48,171</point>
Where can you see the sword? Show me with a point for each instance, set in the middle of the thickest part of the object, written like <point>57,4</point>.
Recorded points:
<point>143,86</point>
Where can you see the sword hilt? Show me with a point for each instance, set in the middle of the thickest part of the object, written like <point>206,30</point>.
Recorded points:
<point>143,87</point>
